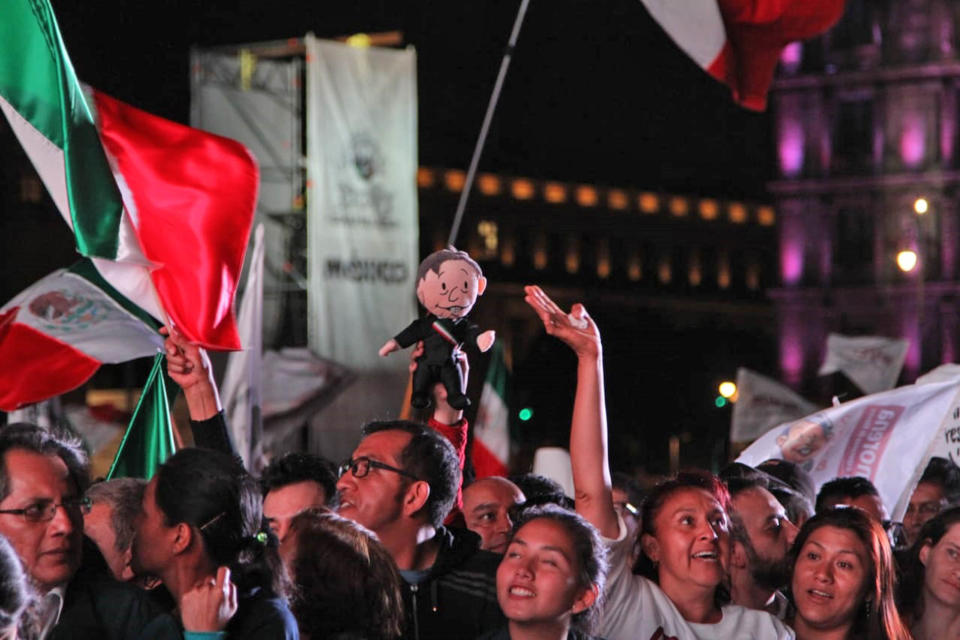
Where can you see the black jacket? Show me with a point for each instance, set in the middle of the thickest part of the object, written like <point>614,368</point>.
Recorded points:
<point>97,607</point>
<point>458,599</point>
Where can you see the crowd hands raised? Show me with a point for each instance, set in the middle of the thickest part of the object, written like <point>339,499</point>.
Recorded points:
<point>386,546</point>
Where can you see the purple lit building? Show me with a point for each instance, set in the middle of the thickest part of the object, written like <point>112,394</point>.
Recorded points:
<point>867,148</point>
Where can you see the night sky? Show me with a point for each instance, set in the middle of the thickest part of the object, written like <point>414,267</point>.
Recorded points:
<point>596,93</point>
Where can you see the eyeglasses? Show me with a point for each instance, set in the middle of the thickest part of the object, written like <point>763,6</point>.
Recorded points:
<point>361,466</point>
<point>45,511</point>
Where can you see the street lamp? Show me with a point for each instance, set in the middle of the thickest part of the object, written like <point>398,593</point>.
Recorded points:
<point>921,206</point>
<point>907,260</point>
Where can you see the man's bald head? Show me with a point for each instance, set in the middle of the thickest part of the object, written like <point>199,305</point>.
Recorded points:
<point>486,509</point>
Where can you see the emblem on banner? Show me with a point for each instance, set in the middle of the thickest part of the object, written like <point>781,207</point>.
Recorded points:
<point>363,198</point>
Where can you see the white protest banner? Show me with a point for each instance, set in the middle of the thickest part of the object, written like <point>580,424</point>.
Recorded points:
<point>361,200</point>
<point>763,403</point>
<point>873,363</point>
<point>949,371</point>
<point>885,437</point>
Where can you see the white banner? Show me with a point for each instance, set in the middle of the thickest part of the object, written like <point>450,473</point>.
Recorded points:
<point>887,438</point>
<point>873,363</point>
<point>762,404</point>
<point>362,200</point>
<point>242,387</point>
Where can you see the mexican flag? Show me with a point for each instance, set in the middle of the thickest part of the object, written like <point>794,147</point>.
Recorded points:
<point>739,42</point>
<point>148,441</point>
<point>56,334</point>
<point>163,210</point>
<point>491,434</point>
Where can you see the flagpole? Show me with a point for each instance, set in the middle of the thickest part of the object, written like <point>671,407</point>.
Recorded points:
<point>485,127</point>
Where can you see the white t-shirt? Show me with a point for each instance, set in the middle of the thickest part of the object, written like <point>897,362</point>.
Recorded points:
<point>635,608</point>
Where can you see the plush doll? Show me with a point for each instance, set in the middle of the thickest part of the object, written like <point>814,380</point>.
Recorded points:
<point>448,283</point>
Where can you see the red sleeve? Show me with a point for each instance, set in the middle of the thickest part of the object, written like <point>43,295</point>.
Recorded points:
<point>456,434</point>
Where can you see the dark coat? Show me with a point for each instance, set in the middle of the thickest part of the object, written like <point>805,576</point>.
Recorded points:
<point>458,599</point>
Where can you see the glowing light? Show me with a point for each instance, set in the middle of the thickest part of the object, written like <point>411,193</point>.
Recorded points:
<point>555,193</point>
<point>587,196</point>
<point>617,199</point>
<point>635,267</point>
<point>766,216</point>
<point>720,402</point>
<point>649,202</point>
<point>508,252</point>
<point>522,189</point>
<point>679,207</point>
<point>489,184</point>
<point>426,178</point>
<point>709,209</point>
<point>737,213</point>
<point>907,260</point>
<point>603,259</point>
<point>727,388</point>
<point>454,179</point>
<point>525,414</point>
<point>359,40</point>
<point>665,271</point>
<point>921,206</point>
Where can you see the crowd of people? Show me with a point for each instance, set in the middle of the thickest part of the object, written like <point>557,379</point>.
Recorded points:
<point>389,545</point>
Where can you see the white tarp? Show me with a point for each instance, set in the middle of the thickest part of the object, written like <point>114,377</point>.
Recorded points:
<point>873,363</point>
<point>762,404</point>
<point>361,200</point>
<point>887,438</point>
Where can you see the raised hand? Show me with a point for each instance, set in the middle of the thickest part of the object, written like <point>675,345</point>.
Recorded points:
<point>210,604</point>
<point>575,329</point>
<point>189,366</point>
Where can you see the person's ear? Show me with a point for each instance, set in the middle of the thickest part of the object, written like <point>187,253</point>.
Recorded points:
<point>416,497</point>
<point>481,285</point>
<point>651,548</point>
<point>924,553</point>
<point>586,600</point>
<point>127,574</point>
<point>183,537</point>
<point>738,557</point>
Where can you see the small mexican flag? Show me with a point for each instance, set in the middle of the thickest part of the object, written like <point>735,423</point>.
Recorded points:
<point>148,441</point>
<point>56,334</point>
<point>491,434</point>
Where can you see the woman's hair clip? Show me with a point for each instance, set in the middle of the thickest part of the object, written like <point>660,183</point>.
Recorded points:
<point>261,537</point>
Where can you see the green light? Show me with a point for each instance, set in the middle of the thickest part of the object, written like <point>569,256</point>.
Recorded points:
<point>721,402</point>
<point>525,414</point>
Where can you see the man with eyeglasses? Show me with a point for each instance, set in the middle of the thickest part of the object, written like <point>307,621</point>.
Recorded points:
<point>42,477</point>
<point>401,482</point>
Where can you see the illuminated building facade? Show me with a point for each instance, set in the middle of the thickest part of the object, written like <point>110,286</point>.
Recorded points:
<point>867,147</point>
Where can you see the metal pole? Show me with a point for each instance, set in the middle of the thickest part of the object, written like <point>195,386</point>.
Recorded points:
<point>485,127</point>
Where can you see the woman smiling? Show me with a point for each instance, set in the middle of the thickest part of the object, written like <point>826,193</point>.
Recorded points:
<point>842,581</point>
<point>551,577</point>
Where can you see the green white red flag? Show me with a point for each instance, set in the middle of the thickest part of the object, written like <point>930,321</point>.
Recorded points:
<point>491,433</point>
<point>739,42</point>
<point>55,335</point>
<point>149,440</point>
<point>163,210</point>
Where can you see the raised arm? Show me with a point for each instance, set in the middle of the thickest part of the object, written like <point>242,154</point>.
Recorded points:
<point>189,366</point>
<point>588,429</point>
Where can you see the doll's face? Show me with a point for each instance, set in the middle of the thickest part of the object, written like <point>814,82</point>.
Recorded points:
<point>452,292</point>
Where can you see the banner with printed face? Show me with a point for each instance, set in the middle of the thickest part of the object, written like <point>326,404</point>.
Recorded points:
<point>873,363</point>
<point>361,200</point>
<point>887,438</point>
<point>763,403</point>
